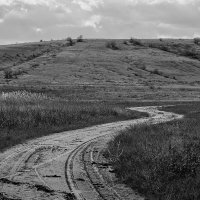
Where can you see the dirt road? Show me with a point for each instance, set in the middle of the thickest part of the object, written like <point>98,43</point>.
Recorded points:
<point>68,165</point>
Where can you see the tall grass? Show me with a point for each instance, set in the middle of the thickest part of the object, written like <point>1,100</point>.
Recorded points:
<point>25,115</point>
<point>160,161</point>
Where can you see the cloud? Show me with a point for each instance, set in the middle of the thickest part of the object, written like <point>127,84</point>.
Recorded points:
<point>88,5</point>
<point>94,21</point>
<point>31,20</point>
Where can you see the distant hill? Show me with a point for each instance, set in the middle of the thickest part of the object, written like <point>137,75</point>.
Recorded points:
<point>148,70</point>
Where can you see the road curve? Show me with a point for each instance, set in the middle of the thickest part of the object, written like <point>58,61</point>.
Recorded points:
<point>68,165</point>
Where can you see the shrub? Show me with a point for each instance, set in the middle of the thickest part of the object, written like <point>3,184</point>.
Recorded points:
<point>125,42</point>
<point>11,74</point>
<point>80,38</point>
<point>164,48</point>
<point>197,41</point>
<point>71,42</point>
<point>135,42</point>
<point>112,45</point>
<point>190,52</point>
<point>8,74</point>
<point>151,45</point>
<point>156,71</point>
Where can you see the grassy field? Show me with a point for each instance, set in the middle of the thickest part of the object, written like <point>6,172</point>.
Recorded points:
<point>189,110</point>
<point>48,87</point>
<point>161,161</point>
<point>25,115</point>
<point>97,70</point>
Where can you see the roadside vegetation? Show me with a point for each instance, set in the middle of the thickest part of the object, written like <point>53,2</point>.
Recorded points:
<point>25,115</point>
<point>160,161</point>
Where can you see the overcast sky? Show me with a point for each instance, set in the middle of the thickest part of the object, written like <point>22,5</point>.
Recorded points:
<point>32,20</point>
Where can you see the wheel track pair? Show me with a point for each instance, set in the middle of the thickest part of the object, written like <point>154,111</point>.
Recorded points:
<point>72,182</point>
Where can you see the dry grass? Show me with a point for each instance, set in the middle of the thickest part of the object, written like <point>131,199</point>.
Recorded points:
<point>25,115</point>
<point>159,161</point>
<point>89,70</point>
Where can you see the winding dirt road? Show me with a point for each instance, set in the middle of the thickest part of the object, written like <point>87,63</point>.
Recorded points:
<point>68,165</point>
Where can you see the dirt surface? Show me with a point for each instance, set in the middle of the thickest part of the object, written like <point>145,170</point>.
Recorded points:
<point>68,165</point>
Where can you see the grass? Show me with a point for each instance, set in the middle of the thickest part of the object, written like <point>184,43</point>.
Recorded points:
<point>187,50</point>
<point>160,161</point>
<point>190,111</point>
<point>104,73</point>
<point>25,115</point>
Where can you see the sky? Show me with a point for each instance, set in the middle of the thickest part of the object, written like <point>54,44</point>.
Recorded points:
<point>33,20</point>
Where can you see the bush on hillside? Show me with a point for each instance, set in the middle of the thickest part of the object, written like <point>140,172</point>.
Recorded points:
<point>197,40</point>
<point>80,38</point>
<point>112,45</point>
<point>190,52</point>
<point>71,42</point>
<point>135,42</point>
<point>8,74</point>
<point>125,42</point>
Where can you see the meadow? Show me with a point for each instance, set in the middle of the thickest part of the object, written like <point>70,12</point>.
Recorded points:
<point>25,115</point>
<point>56,86</point>
<point>160,161</point>
<point>113,70</point>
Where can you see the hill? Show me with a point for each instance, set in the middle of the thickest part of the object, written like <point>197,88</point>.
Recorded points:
<point>147,70</point>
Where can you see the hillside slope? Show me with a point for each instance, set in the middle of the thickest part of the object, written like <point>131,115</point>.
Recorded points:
<point>90,70</point>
